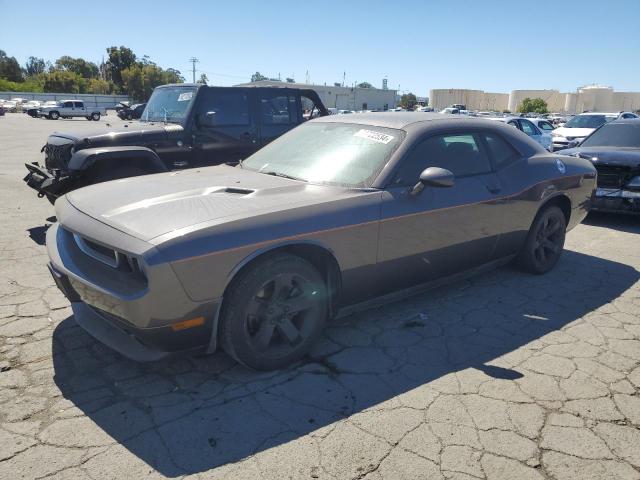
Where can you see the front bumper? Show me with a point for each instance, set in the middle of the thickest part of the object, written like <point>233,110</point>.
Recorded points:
<point>139,319</point>
<point>46,184</point>
<point>616,201</point>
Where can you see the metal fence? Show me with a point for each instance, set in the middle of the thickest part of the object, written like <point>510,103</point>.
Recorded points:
<point>91,100</point>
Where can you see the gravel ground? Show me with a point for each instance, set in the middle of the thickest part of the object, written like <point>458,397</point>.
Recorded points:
<point>504,376</point>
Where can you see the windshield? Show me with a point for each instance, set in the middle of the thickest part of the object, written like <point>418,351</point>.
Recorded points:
<point>588,121</point>
<point>615,135</point>
<point>169,104</point>
<point>328,153</point>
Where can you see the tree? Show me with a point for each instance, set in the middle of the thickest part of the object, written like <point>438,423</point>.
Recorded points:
<point>61,81</point>
<point>337,84</point>
<point>35,66</point>
<point>10,68</point>
<point>140,79</point>
<point>256,77</point>
<point>408,101</point>
<point>203,78</point>
<point>364,85</point>
<point>98,86</point>
<point>77,65</point>
<point>290,80</point>
<point>535,105</point>
<point>120,58</point>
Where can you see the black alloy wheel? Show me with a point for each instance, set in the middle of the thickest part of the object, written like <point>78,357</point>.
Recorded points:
<point>545,241</point>
<point>274,313</point>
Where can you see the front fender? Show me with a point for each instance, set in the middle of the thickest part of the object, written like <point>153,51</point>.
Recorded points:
<point>84,159</point>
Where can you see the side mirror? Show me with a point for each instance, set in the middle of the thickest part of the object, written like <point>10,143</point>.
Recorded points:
<point>434,177</point>
<point>208,119</point>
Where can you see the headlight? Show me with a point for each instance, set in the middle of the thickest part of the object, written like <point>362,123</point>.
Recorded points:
<point>634,182</point>
<point>554,134</point>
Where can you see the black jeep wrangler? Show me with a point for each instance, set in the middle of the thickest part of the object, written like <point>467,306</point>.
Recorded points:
<point>182,126</point>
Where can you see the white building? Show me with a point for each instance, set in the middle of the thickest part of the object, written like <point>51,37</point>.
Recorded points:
<point>592,98</point>
<point>342,98</point>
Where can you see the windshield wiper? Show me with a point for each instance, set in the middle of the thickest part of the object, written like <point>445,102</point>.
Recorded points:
<point>284,175</point>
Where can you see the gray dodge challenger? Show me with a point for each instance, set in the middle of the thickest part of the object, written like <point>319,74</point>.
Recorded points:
<point>339,214</point>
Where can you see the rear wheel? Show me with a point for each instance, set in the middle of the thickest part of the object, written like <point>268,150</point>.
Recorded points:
<point>274,312</point>
<point>545,241</point>
<point>95,116</point>
<point>88,117</point>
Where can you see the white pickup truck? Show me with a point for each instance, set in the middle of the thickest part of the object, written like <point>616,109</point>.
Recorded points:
<point>71,108</point>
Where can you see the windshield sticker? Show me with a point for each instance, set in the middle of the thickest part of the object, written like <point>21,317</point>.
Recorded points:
<point>184,97</point>
<point>374,136</point>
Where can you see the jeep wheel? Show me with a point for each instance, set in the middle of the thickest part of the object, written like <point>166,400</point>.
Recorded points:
<point>545,241</point>
<point>274,312</point>
<point>88,117</point>
<point>95,116</point>
<point>54,115</point>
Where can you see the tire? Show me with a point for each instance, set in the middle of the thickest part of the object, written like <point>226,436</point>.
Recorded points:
<point>107,173</point>
<point>95,116</point>
<point>545,241</point>
<point>88,117</point>
<point>274,311</point>
<point>54,115</point>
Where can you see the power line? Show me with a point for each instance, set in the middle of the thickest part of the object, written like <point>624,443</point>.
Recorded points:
<point>193,61</point>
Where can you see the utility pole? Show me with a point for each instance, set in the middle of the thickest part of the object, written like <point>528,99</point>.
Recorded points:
<point>193,61</point>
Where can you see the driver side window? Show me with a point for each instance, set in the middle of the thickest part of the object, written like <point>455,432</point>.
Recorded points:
<point>459,153</point>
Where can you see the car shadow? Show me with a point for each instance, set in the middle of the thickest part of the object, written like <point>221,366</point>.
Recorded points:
<point>615,221</point>
<point>188,415</point>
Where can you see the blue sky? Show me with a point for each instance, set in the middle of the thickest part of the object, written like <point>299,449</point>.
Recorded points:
<point>490,45</point>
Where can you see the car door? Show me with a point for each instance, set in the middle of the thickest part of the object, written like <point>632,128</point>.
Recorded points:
<point>79,109</point>
<point>224,129</point>
<point>530,129</point>
<point>442,230</point>
<point>67,109</point>
<point>277,113</point>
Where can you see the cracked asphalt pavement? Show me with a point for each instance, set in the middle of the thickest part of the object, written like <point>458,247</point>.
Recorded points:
<point>503,376</point>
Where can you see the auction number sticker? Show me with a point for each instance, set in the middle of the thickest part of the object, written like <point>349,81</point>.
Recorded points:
<point>374,136</point>
<point>186,96</point>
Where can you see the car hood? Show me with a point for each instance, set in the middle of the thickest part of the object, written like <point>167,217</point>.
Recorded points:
<point>154,205</point>
<point>573,132</point>
<point>133,133</point>
<point>607,155</point>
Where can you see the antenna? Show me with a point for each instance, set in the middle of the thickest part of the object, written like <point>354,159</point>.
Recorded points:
<point>193,61</point>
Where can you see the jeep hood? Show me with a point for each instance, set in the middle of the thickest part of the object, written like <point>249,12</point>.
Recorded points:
<point>133,134</point>
<point>149,206</point>
<point>607,155</point>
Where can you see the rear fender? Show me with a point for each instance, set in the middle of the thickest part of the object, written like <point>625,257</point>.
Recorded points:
<point>83,160</point>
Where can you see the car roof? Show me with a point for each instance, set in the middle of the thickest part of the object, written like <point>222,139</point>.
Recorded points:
<point>402,120</point>
<point>632,121</point>
<point>611,114</point>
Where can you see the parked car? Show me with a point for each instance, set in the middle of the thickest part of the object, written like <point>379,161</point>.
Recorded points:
<point>345,112</point>
<point>10,106</point>
<point>120,105</point>
<point>543,124</point>
<point>525,125</point>
<point>70,109</point>
<point>182,126</point>
<point>133,112</point>
<point>334,214</point>
<point>581,126</point>
<point>614,149</point>
<point>450,111</point>
<point>1,110</point>
<point>32,108</point>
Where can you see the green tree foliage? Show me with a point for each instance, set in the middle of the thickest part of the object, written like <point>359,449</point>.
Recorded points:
<point>290,80</point>
<point>98,86</point>
<point>35,66</point>
<point>77,65</point>
<point>533,105</point>
<point>408,101</point>
<point>256,77</point>
<point>10,68</point>
<point>364,85</point>
<point>62,81</point>
<point>140,79</point>
<point>120,58</point>
<point>203,78</point>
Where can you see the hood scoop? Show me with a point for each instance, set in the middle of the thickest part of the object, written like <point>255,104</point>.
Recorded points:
<point>177,198</point>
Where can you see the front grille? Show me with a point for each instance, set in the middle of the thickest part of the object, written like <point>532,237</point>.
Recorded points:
<point>57,156</point>
<point>610,176</point>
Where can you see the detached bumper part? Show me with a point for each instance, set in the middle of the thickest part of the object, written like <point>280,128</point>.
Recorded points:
<point>616,201</point>
<point>43,183</point>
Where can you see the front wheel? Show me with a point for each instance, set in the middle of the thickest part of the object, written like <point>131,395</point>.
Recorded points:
<point>54,115</point>
<point>545,241</point>
<point>88,117</point>
<point>95,116</point>
<point>274,312</point>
